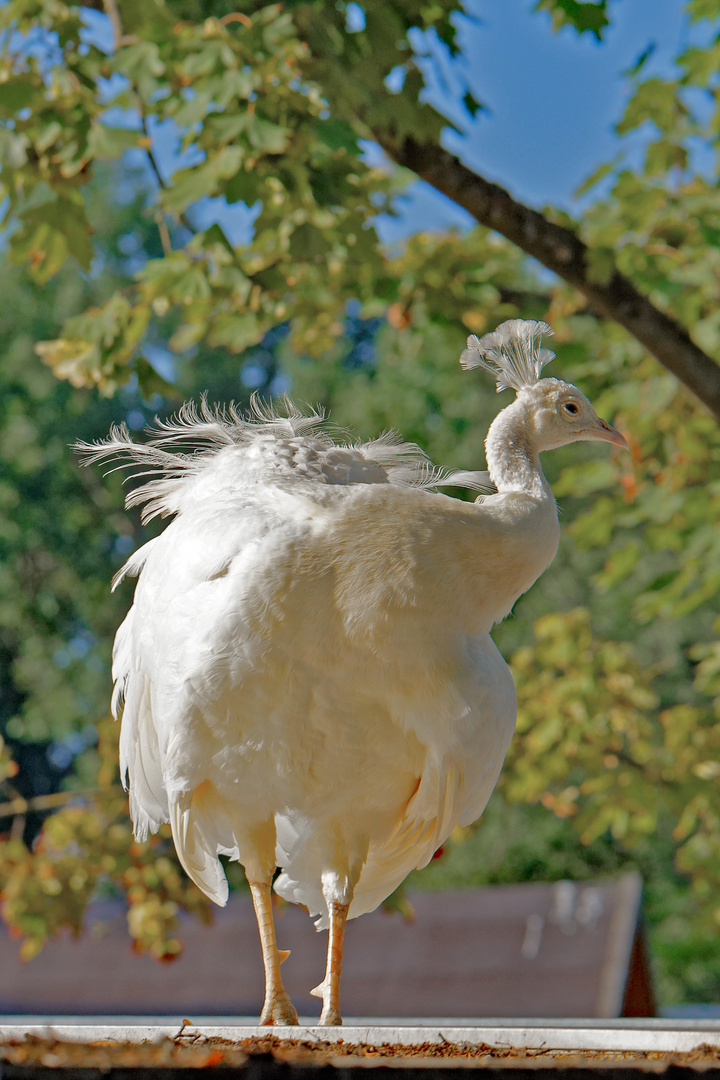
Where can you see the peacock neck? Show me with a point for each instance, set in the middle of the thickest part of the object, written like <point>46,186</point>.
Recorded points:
<point>512,459</point>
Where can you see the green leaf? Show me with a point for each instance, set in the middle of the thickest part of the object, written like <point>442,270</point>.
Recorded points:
<point>656,101</point>
<point>48,134</point>
<point>194,110</point>
<point>595,177</point>
<point>187,335</point>
<point>700,64</point>
<point>203,61</point>
<point>142,64</point>
<point>703,9</point>
<point>336,134</point>
<point>663,155</point>
<point>584,16</point>
<point>308,242</point>
<point>236,332</point>
<point>229,128</point>
<point>266,136</point>
<point>13,149</point>
<point>472,104</point>
<point>710,234</point>
<point>44,248</point>
<point>642,59</point>
<point>243,187</point>
<point>237,85</point>
<point>216,235</point>
<point>192,184</point>
<point>106,143</point>
<point>20,92</point>
<point>151,382</point>
<point>67,217</point>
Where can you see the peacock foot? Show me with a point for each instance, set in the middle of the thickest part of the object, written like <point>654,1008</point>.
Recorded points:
<point>278,1010</point>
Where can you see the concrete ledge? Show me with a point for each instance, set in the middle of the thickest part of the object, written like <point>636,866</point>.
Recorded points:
<point>564,1037</point>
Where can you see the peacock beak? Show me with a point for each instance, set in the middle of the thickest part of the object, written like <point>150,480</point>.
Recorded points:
<point>607,433</point>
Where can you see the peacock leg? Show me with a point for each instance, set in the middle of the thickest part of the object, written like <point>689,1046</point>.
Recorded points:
<point>329,988</point>
<point>278,1008</point>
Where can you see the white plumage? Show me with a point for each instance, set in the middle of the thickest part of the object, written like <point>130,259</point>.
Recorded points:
<point>306,674</point>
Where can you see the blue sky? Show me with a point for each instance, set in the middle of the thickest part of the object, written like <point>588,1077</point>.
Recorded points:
<point>552,99</point>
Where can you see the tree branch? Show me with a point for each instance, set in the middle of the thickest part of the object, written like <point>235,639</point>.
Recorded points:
<point>111,10</point>
<point>522,297</point>
<point>20,807</point>
<point>566,255</point>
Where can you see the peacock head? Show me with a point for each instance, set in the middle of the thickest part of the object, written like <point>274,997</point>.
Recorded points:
<point>556,412</point>
<point>560,414</point>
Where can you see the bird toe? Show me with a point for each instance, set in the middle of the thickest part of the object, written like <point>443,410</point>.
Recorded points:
<point>279,1011</point>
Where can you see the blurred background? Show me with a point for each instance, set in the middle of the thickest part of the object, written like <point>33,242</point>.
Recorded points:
<point>196,201</point>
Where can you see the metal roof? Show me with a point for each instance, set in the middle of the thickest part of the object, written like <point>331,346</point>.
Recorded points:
<point>542,950</point>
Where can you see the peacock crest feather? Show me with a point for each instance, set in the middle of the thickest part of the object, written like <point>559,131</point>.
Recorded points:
<point>511,353</point>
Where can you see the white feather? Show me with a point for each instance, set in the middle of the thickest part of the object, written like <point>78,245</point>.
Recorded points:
<point>268,446</point>
<point>511,353</point>
<point>306,675</point>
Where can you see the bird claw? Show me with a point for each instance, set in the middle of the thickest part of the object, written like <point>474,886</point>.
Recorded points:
<point>278,1011</point>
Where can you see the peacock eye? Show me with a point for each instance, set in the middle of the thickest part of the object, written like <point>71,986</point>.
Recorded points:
<point>571,407</point>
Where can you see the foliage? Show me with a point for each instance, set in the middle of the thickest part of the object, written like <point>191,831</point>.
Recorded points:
<point>590,17</point>
<point>83,846</point>
<point>249,229</point>
<point>62,531</point>
<point>254,130</point>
